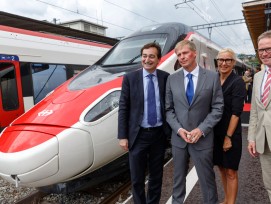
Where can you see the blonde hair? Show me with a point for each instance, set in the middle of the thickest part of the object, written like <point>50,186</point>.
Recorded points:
<point>227,50</point>
<point>266,34</point>
<point>182,43</point>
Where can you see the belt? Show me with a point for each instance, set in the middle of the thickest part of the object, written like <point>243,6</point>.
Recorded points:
<point>148,129</point>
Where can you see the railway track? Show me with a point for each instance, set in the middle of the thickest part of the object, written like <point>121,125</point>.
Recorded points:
<point>119,194</point>
<point>33,198</point>
<point>107,193</point>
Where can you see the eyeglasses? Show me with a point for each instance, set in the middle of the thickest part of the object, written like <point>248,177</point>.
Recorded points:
<point>227,61</point>
<point>261,51</point>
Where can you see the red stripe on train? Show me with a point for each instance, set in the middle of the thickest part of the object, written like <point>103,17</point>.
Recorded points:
<point>247,107</point>
<point>51,36</point>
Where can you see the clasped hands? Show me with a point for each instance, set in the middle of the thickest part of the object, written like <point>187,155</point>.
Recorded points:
<point>190,137</point>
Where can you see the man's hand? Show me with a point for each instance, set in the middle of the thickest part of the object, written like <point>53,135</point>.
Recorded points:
<point>185,135</point>
<point>252,148</point>
<point>124,144</point>
<point>195,135</point>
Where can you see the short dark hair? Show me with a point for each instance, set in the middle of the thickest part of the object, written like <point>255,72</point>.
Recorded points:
<point>155,45</point>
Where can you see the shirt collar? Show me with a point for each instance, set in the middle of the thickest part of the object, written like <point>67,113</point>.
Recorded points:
<point>195,72</point>
<point>267,69</point>
<point>145,73</point>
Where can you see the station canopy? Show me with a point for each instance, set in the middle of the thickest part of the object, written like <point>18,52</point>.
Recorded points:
<point>257,17</point>
<point>16,21</point>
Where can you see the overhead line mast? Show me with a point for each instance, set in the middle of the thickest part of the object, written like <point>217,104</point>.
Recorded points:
<point>209,26</point>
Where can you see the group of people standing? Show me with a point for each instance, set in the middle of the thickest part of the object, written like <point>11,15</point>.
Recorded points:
<point>200,109</point>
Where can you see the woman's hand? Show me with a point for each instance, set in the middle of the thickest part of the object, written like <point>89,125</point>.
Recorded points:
<point>227,144</point>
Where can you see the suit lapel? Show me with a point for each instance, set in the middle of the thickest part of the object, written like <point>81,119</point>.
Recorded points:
<point>200,83</point>
<point>161,88</point>
<point>269,99</point>
<point>182,86</point>
<point>140,88</point>
<point>258,92</point>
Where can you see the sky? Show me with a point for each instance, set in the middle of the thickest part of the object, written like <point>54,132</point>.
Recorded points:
<point>123,17</point>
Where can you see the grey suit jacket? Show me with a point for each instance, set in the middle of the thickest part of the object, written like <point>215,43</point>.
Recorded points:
<point>260,116</point>
<point>205,111</point>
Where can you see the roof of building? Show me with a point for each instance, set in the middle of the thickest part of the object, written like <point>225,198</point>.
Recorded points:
<point>16,21</point>
<point>256,14</point>
<point>83,21</point>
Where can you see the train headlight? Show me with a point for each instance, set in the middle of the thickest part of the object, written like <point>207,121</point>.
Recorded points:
<point>109,103</point>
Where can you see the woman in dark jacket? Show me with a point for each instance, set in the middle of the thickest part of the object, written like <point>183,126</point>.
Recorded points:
<point>228,132</point>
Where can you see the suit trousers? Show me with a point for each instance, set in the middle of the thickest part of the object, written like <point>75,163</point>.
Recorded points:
<point>265,160</point>
<point>203,161</point>
<point>147,152</point>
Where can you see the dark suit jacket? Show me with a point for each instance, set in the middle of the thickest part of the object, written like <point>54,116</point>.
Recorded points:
<point>131,105</point>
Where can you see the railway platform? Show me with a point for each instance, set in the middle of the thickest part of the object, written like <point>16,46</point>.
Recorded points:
<point>251,189</point>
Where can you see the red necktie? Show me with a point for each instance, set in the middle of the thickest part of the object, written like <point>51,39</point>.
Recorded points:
<point>266,87</point>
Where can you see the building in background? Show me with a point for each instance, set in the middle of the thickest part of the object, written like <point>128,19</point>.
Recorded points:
<point>85,26</point>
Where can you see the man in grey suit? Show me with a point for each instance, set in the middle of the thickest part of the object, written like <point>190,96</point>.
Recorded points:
<point>259,131</point>
<point>194,104</point>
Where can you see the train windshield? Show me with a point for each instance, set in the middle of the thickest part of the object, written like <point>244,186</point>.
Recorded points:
<point>128,50</point>
<point>90,77</point>
<point>123,58</point>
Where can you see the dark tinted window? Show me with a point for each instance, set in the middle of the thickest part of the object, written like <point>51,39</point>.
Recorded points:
<point>9,89</point>
<point>91,77</point>
<point>121,59</point>
<point>46,77</point>
<point>128,50</point>
<point>105,106</point>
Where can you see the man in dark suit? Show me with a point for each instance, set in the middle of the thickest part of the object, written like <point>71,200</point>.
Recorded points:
<point>142,124</point>
<point>194,104</point>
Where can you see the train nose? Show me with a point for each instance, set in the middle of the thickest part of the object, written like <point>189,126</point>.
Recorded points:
<point>29,157</point>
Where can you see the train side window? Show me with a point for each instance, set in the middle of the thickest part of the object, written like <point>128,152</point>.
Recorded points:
<point>9,91</point>
<point>105,106</point>
<point>46,77</point>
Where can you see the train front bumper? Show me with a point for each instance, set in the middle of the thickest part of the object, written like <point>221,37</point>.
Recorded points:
<point>26,161</point>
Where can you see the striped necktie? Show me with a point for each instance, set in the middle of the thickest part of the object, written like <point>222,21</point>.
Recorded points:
<point>266,87</point>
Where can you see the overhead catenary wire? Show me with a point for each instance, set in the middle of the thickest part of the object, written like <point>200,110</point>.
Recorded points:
<point>217,29</point>
<point>198,11</point>
<point>78,13</point>
<point>224,18</point>
<point>130,11</point>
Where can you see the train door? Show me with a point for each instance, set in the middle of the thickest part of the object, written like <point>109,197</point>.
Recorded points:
<point>11,100</point>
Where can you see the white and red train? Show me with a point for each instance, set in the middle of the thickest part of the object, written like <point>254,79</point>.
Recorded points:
<point>32,64</point>
<point>73,131</point>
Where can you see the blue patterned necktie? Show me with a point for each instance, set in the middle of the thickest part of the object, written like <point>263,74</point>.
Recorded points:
<point>152,115</point>
<point>190,88</point>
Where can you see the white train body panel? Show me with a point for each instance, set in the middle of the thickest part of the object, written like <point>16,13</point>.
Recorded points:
<point>73,131</point>
<point>39,47</point>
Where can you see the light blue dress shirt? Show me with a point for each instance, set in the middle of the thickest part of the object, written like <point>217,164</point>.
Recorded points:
<point>157,98</point>
<point>195,74</point>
